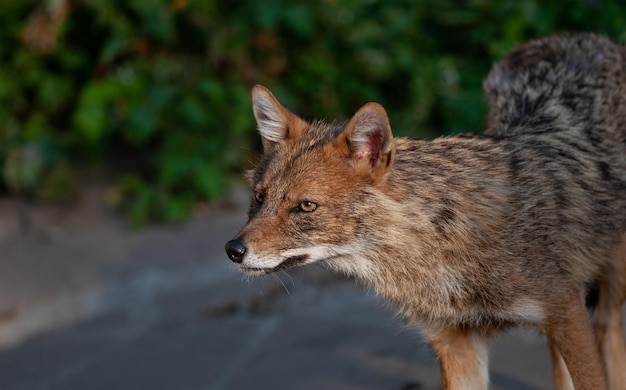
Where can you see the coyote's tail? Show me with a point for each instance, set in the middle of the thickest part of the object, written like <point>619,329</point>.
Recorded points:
<point>567,82</point>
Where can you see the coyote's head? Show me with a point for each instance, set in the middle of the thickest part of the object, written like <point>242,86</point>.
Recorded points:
<point>311,188</point>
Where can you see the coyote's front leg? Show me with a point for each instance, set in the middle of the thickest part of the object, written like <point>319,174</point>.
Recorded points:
<point>463,357</point>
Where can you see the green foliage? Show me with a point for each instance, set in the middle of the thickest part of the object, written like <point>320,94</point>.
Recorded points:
<point>156,92</point>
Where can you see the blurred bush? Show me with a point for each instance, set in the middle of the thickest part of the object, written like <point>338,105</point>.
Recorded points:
<point>154,94</point>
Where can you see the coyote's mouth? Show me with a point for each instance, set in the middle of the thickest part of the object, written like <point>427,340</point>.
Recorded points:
<point>289,262</point>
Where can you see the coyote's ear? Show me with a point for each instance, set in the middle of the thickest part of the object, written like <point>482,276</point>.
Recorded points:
<point>275,122</point>
<point>367,141</point>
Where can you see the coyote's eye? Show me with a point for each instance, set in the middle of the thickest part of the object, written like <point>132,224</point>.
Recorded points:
<point>259,196</point>
<point>307,206</point>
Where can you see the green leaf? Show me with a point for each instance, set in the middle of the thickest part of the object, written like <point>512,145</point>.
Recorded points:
<point>91,116</point>
<point>141,206</point>
<point>175,209</point>
<point>193,112</point>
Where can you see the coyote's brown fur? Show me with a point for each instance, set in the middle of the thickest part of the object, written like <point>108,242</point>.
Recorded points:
<point>468,235</point>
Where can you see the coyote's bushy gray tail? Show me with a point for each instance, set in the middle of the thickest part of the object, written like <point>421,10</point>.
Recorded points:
<point>568,82</point>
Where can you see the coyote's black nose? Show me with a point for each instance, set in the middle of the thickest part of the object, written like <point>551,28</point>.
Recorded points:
<point>235,250</point>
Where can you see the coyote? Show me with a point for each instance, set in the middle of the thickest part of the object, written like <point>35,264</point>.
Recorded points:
<point>468,235</point>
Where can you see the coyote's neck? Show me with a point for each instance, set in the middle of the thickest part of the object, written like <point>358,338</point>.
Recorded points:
<point>437,221</point>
